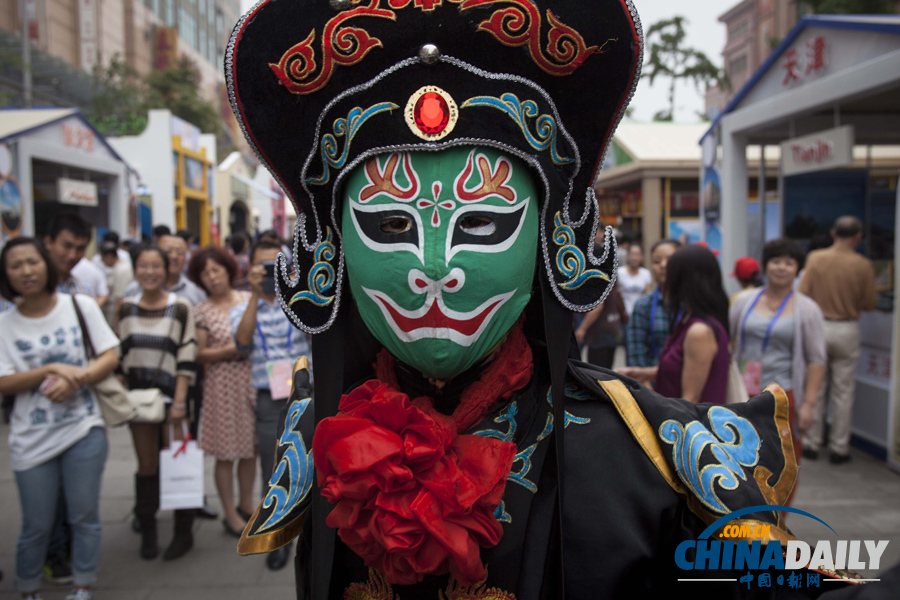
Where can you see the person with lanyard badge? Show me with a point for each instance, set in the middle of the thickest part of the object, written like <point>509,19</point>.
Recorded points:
<point>778,337</point>
<point>648,327</point>
<point>261,328</point>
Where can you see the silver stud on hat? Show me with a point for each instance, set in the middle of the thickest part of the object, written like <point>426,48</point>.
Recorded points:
<point>340,4</point>
<point>428,54</point>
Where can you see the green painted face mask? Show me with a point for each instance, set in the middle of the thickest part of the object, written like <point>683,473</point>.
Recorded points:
<point>440,250</point>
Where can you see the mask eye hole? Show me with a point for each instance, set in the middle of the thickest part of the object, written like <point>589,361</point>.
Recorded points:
<point>478,225</point>
<point>395,225</point>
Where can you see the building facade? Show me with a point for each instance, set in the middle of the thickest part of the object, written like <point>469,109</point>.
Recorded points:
<point>144,34</point>
<point>755,28</point>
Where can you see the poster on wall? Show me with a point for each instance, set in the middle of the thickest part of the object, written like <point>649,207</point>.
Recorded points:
<point>10,197</point>
<point>711,201</point>
<point>686,231</point>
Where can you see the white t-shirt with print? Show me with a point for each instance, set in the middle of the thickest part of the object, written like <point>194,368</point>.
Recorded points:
<point>632,286</point>
<point>41,429</point>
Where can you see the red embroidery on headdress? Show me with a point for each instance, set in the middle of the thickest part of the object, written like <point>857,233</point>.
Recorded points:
<point>517,25</point>
<point>345,47</point>
<point>520,25</point>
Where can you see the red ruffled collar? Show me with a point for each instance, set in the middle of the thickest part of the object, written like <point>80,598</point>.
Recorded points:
<point>414,495</point>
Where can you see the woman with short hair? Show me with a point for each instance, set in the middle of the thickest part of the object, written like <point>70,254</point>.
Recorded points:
<point>227,423</point>
<point>778,336</point>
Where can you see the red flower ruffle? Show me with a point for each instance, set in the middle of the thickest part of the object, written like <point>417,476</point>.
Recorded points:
<point>412,497</point>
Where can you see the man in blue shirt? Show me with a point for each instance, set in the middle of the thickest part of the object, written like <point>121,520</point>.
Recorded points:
<point>261,328</point>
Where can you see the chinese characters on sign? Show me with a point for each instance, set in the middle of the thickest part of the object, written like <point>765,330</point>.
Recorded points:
<point>78,137</point>
<point>875,364</point>
<point>793,580</point>
<point>799,63</point>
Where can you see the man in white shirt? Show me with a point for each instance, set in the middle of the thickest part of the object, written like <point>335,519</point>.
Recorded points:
<point>111,236</point>
<point>92,278</point>
<point>633,279</point>
<point>118,278</point>
<point>66,240</point>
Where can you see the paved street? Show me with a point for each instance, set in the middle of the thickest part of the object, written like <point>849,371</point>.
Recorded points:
<point>859,500</point>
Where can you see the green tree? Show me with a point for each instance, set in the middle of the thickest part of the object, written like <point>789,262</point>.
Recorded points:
<point>123,97</point>
<point>670,57</point>
<point>852,7</point>
<point>176,88</point>
<point>118,104</point>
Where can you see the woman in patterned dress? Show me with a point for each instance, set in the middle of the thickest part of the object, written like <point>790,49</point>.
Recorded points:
<point>227,422</point>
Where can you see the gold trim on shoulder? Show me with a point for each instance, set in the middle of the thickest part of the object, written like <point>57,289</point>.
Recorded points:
<point>627,407</point>
<point>777,493</point>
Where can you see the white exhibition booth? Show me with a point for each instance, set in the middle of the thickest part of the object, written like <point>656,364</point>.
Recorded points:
<point>829,98</point>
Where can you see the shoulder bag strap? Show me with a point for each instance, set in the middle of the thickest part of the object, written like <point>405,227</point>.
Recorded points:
<point>85,333</point>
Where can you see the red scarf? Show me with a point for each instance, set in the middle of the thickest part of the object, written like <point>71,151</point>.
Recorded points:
<point>415,496</point>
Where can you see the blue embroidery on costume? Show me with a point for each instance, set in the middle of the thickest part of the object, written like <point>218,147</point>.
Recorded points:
<point>500,513</point>
<point>345,127</point>
<point>60,336</point>
<point>321,275</point>
<point>523,457</point>
<point>509,415</point>
<point>23,345</point>
<point>734,443</point>
<point>520,112</point>
<point>45,340</point>
<point>299,464</point>
<point>570,261</point>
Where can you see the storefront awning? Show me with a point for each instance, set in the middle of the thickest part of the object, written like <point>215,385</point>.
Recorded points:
<point>16,122</point>
<point>797,65</point>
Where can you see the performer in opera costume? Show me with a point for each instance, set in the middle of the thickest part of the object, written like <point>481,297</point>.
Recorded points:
<point>440,154</point>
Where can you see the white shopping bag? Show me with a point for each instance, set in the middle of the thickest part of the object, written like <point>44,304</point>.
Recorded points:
<point>180,473</point>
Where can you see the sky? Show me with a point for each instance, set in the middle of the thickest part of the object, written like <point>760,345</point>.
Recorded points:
<point>704,32</point>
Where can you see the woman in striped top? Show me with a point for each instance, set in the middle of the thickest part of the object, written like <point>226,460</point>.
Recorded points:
<point>158,351</point>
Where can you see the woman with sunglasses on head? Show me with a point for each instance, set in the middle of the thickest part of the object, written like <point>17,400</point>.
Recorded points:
<point>158,351</point>
<point>57,435</point>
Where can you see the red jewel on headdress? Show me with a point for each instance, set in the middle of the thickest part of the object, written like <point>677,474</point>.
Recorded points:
<point>431,113</point>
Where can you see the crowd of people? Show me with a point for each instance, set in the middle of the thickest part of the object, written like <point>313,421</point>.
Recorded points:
<point>200,327</point>
<point>204,327</point>
<point>794,323</point>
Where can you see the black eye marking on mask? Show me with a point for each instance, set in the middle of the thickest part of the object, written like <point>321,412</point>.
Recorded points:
<point>389,226</point>
<point>486,227</point>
